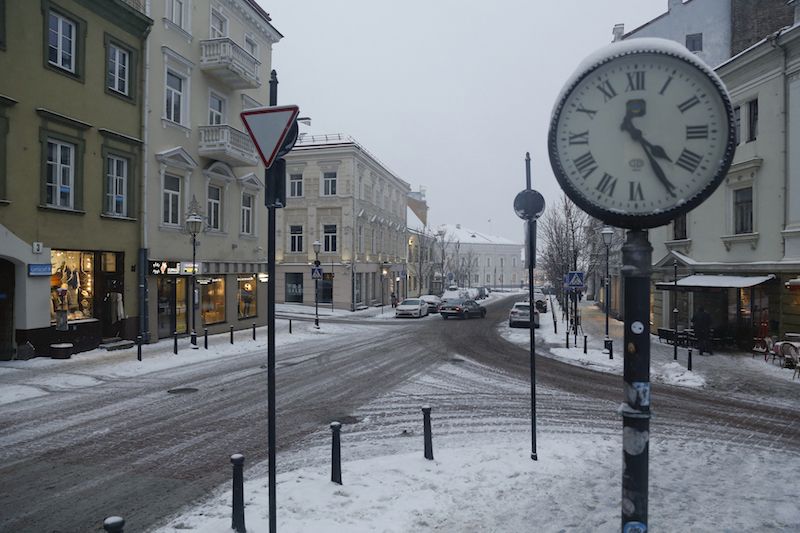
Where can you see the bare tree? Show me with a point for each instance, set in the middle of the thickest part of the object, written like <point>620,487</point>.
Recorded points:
<point>568,241</point>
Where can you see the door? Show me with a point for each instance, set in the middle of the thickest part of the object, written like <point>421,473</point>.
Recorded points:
<point>172,306</point>
<point>6,310</point>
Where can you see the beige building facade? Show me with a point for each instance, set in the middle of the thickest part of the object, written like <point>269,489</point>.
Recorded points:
<point>71,130</point>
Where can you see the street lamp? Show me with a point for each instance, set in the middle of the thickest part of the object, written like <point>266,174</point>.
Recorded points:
<point>194,225</point>
<point>608,235</point>
<point>441,234</point>
<point>317,245</point>
<point>675,312</point>
<point>384,272</point>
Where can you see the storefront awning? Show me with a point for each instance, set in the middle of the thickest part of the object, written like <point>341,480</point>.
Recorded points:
<point>703,281</point>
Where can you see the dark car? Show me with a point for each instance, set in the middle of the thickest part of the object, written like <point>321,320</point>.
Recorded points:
<point>461,308</point>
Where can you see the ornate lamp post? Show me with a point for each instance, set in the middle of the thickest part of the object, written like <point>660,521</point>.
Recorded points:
<point>384,273</point>
<point>608,235</point>
<point>317,245</point>
<point>441,234</point>
<point>194,225</point>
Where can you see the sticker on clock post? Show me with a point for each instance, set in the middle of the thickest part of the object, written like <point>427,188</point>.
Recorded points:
<point>637,327</point>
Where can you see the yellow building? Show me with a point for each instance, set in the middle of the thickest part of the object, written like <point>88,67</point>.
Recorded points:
<point>71,98</point>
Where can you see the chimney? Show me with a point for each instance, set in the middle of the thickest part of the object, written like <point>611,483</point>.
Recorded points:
<point>674,4</point>
<point>618,32</point>
<point>458,226</point>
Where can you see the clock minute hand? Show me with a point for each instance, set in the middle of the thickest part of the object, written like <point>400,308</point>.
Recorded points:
<point>657,151</point>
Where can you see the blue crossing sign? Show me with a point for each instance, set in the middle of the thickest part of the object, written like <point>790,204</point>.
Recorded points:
<point>316,272</point>
<point>574,280</point>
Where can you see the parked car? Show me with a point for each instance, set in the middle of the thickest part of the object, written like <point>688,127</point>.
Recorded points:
<point>433,302</point>
<point>411,307</point>
<point>461,308</point>
<point>540,301</point>
<point>520,315</point>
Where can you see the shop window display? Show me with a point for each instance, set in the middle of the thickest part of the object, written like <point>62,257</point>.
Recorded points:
<point>247,297</point>
<point>212,297</point>
<point>72,284</point>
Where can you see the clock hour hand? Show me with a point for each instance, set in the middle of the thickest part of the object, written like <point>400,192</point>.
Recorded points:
<point>636,108</point>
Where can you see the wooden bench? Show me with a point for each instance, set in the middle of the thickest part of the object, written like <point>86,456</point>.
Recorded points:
<point>666,334</point>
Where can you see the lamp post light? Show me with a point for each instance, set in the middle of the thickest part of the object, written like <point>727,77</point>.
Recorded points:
<point>317,245</point>
<point>675,311</point>
<point>384,272</point>
<point>441,234</point>
<point>194,225</point>
<point>608,235</point>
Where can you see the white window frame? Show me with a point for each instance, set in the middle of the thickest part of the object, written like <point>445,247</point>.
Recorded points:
<point>247,216</point>
<point>170,94</point>
<point>213,31</point>
<point>118,73</point>
<point>217,117</point>
<point>329,240</point>
<point>752,209</point>
<point>171,202</point>
<point>251,45</point>
<point>295,185</point>
<point>59,171</point>
<point>214,207</point>
<point>62,21</point>
<point>116,185</point>
<point>329,183</point>
<point>295,239</point>
<point>177,16</point>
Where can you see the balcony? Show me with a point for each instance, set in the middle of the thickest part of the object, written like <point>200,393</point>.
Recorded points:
<point>227,144</point>
<point>229,63</point>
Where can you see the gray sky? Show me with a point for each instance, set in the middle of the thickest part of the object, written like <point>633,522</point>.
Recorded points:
<point>448,94</point>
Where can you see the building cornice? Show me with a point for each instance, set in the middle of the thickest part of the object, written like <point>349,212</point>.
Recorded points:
<point>52,116</point>
<point>120,14</point>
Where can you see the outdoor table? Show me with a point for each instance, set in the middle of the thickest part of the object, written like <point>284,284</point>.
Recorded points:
<point>792,336</point>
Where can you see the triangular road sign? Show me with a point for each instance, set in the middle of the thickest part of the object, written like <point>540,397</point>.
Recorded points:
<point>268,128</point>
<point>575,279</point>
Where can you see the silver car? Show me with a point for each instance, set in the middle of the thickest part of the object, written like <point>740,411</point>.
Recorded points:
<point>520,315</point>
<point>411,307</point>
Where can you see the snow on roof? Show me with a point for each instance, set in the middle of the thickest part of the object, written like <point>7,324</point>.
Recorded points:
<point>458,233</point>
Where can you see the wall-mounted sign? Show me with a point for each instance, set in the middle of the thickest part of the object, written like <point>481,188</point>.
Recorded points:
<point>188,268</point>
<point>39,269</point>
<point>263,278</point>
<point>161,268</point>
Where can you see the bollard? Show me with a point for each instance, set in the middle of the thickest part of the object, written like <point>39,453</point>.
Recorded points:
<point>585,337</point>
<point>290,326</point>
<point>336,453</point>
<point>567,338</point>
<point>114,524</point>
<point>205,338</point>
<point>175,343</point>
<point>689,363</point>
<point>555,325</point>
<point>139,347</point>
<point>254,331</point>
<point>237,517</point>
<point>426,417</point>
<point>231,334</point>
<point>608,345</point>
<point>575,338</point>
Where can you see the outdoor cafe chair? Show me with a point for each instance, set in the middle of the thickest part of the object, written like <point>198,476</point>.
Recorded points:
<point>763,347</point>
<point>791,355</point>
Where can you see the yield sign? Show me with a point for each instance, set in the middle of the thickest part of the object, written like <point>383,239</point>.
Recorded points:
<point>268,128</point>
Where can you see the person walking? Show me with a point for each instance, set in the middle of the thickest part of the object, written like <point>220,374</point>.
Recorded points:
<point>394,300</point>
<point>702,330</point>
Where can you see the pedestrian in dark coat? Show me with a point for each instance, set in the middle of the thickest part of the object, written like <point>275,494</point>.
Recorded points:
<point>702,330</point>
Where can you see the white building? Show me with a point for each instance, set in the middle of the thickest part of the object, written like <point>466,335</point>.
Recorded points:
<point>207,61</point>
<point>340,195</point>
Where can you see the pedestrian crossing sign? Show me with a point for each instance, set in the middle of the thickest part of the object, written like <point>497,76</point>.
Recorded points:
<point>575,280</point>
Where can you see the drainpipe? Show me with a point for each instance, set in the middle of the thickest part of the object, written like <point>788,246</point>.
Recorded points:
<point>144,316</point>
<point>355,238</point>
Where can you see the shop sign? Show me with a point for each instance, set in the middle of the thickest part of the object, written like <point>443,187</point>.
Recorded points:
<point>40,269</point>
<point>165,267</point>
<point>188,268</point>
<point>246,278</point>
<point>208,281</point>
<point>263,278</point>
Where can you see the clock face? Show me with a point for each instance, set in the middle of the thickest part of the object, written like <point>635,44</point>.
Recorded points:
<point>641,138</point>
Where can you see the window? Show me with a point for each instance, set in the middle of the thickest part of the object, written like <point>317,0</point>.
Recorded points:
<point>118,69</point>
<point>172,200</point>
<point>743,211</point>
<point>294,287</point>
<point>514,262</point>
<point>329,237</point>
<point>360,239</point>
<point>214,207</point>
<point>212,300</point>
<point>61,45</point>
<point>296,185</point>
<point>74,271</point>
<point>679,227</point>
<point>737,123</point>
<point>752,120</point>
<point>295,239</point>
<point>247,214</point>
<point>329,184</point>
<point>247,297</point>
<point>175,12</point>
<point>251,46</point>
<point>694,42</point>
<point>219,25</point>
<point>60,174</point>
<point>116,186</point>
<point>216,109</point>
<point>2,24</point>
<point>174,104</point>
<point>488,261</point>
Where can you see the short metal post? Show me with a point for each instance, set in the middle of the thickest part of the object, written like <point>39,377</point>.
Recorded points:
<point>139,347</point>
<point>575,337</point>
<point>205,338</point>
<point>290,326</point>
<point>254,331</point>
<point>426,417</point>
<point>237,517</point>
<point>175,342</point>
<point>114,524</point>
<point>585,338</point>
<point>689,362</point>
<point>567,338</point>
<point>609,346</point>
<point>231,334</point>
<point>555,324</point>
<point>336,453</point>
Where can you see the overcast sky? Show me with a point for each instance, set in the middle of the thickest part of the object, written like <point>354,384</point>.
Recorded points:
<point>448,94</point>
